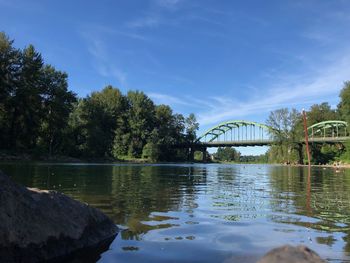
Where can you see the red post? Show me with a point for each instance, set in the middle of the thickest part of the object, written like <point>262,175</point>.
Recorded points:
<point>306,138</point>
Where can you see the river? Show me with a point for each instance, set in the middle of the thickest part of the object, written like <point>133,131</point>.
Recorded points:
<point>206,212</point>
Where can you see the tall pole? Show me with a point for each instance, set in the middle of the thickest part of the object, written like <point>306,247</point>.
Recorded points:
<point>306,138</point>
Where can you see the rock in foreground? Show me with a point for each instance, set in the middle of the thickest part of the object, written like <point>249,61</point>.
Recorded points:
<point>40,225</point>
<point>290,254</point>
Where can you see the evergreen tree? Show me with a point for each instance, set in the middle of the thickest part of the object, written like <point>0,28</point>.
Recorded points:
<point>57,103</point>
<point>10,62</point>
<point>26,109</point>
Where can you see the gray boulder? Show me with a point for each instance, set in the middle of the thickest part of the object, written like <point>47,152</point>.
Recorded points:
<point>37,225</point>
<point>290,254</point>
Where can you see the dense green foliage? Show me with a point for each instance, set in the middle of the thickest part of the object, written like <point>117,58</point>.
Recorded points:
<point>287,127</point>
<point>344,105</point>
<point>344,112</point>
<point>227,154</point>
<point>262,158</point>
<point>34,101</point>
<point>39,115</point>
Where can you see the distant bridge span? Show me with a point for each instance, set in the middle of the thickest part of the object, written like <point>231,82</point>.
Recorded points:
<point>238,133</point>
<point>247,133</point>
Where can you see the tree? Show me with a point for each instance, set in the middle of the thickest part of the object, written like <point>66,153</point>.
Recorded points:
<point>344,105</point>
<point>96,119</point>
<point>141,121</point>
<point>321,112</point>
<point>287,130</point>
<point>227,154</point>
<point>57,103</point>
<point>318,113</point>
<point>26,102</point>
<point>192,126</point>
<point>10,61</point>
<point>346,154</point>
<point>151,152</point>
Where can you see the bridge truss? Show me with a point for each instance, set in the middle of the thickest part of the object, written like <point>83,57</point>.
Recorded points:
<point>237,132</point>
<point>327,129</point>
<point>247,133</point>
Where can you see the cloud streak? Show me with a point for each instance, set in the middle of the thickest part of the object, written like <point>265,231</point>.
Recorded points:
<point>102,63</point>
<point>167,99</point>
<point>288,91</point>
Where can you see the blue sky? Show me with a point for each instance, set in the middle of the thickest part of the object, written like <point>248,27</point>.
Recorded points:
<point>222,60</point>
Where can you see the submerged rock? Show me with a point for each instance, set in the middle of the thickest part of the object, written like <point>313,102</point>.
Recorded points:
<point>37,225</point>
<point>290,254</point>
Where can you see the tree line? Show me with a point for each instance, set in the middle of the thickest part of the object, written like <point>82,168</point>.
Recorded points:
<point>40,116</point>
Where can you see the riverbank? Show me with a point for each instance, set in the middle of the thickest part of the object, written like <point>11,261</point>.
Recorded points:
<point>25,157</point>
<point>334,165</point>
<point>11,157</point>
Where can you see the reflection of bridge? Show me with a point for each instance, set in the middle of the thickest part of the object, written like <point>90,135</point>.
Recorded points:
<point>246,133</point>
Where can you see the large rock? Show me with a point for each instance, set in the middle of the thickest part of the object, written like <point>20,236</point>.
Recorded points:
<point>38,225</point>
<point>290,254</point>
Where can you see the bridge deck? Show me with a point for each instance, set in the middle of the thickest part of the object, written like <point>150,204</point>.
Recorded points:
<point>329,139</point>
<point>269,142</point>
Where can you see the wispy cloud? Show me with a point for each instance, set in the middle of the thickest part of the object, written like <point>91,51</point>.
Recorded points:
<point>109,31</point>
<point>169,4</point>
<point>154,17</point>
<point>288,91</point>
<point>101,58</point>
<point>151,20</point>
<point>167,99</point>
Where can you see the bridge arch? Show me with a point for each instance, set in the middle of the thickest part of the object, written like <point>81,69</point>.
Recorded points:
<point>237,130</point>
<point>331,128</point>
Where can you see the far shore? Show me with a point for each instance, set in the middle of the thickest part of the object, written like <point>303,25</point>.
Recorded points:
<point>336,166</point>
<point>66,159</point>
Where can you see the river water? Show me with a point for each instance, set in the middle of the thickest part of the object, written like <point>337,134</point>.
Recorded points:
<point>205,212</point>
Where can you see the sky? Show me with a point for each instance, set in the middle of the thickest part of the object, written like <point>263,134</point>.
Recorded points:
<point>220,59</point>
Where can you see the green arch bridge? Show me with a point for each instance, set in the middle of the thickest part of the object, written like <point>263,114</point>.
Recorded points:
<point>246,133</point>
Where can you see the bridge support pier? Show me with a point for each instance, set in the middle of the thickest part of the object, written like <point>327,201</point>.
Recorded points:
<point>204,155</point>
<point>300,153</point>
<point>190,157</point>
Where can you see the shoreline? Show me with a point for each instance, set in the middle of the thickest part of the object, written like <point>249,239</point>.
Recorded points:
<point>66,159</point>
<point>338,166</point>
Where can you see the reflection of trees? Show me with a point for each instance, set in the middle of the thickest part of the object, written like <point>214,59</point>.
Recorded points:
<point>126,193</point>
<point>139,190</point>
<point>328,198</point>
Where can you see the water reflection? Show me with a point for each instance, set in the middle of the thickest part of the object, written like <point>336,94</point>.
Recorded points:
<point>207,212</point>
<point>326,202</point>
<point>126,193</point>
